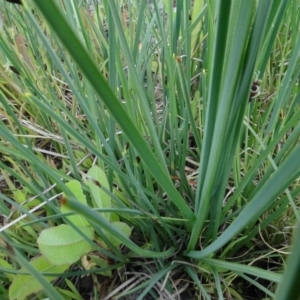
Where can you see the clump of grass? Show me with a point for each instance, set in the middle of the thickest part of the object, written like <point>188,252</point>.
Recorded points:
<point>157,96</point>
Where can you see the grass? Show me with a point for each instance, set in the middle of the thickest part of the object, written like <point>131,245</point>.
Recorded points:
<point>134,164</point>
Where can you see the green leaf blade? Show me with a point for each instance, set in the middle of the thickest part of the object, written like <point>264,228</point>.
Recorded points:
<point>62,244</point>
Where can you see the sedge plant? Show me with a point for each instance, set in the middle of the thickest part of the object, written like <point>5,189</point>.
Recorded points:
<point>129,129</point>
